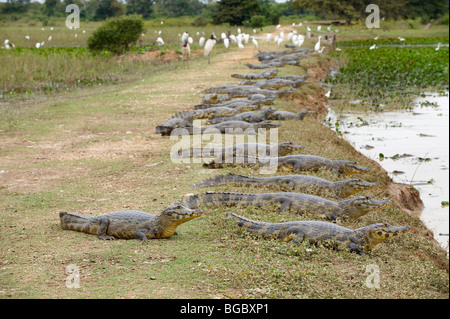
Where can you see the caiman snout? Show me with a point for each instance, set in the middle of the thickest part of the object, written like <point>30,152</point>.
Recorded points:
<point>370,203</point>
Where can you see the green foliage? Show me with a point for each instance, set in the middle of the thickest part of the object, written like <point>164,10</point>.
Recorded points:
<point>109,8</point>
<point>142,7</point>
<point>257,21</point>
<point>390,73</point>
<point>15,6</point>
<point>235,12</point>
<point>199,22</point>
<point>178,8</point>
<point>116,35</point>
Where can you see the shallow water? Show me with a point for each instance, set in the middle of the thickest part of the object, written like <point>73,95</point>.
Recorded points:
<point>415,145</point>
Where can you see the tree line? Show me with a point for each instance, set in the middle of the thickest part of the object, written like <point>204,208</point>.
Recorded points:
<point>234,12</point>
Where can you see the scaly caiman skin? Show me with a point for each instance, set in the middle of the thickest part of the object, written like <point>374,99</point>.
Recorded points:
<point>293,163</point>
<point>251,117</point>
<point>294,183</point>
<point>296,202</point>
<point>254,149</point>
<point>252,76</point>
<point>130,224</point>
<point>285,115</point>
<point>229,127</point>
<point>357,240</point>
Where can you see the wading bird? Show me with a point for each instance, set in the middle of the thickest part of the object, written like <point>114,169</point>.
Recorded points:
<point>317,46</point>
<point>209,46</point>
<point>186,50</point>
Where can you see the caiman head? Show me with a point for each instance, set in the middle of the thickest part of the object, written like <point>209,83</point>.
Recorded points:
<point>349,167</point>
<point>303,113</point>
<point>179,213</point>
<point>286,148</point>
<point>352,186</point>
<point>374,234</point>
<point>269,110</point>
<point>171,124</point>
<point>359,206</point>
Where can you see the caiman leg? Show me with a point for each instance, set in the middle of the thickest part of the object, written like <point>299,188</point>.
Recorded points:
<point>102,228</point>
<point>285,204</point>
<point>354,247</point>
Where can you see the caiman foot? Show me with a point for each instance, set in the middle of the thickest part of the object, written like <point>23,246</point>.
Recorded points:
<point>106,237</point>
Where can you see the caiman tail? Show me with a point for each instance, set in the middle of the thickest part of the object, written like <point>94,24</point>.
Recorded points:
<point>238,180</point>
<point>78,222</point>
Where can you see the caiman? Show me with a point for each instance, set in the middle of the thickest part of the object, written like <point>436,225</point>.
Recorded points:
<point>229,127</point>
<point>252,76</point>
<point>285,115</point>
<point>167,127</point>
<point>215,112</point>
<point>131,224</point>
<point>358,240</point>
<point>300,203</point>
<point>294,183</point>
<point>251,117</point>
<point>294,163</point>
<point>232,104</point>
<point>283,148</point>
<point>236,90</point>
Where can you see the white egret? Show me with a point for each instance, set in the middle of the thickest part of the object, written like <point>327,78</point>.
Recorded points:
<point>279,41</point>
<point>223,35</point>
<point>38,45</point>
<point>278,26</point>
<point>246,38</point>
<point>376,38</point>
<point>226,42</point>
<point>27,37</point>
<point>50,38</point>
<point>328,94</point>
<point>438,46</point>
<point>268,36</point>
<point>300,40</point>
<point>319,27</point>
<point>317,46</point>
<point>159,41</point>
<point>255,43</point>
<point>209,45</point>
<point>190,40</point>
<point>201,41</point>
<point>401,39</point>
<point>373,47</point>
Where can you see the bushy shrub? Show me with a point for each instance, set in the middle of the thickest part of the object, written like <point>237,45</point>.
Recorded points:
<point>116,35</point>
<point>257,21</point>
